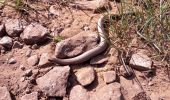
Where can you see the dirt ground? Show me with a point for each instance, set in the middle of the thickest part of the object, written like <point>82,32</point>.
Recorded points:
<point>72,21</point>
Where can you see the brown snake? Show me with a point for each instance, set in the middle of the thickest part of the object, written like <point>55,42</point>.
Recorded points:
<point>90,53</point>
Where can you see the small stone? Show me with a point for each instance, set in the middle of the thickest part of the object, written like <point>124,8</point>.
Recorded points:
<point>33,60</point>
<point>44,59</point>
<point>54,10</point>
<point>4,94</point>
<point>34,34</point>
<point>86,28</point>
<point>28,53</point>
<point>150,83</point>
<point>27,91</point>
<point>109,76</point>
<point>22,67</point>
<point>6,42</point>
<point>2,30</point>
<point>12,61</point>
<point>31,96</point>
<point>22,79</point>
<point>141,61</point>
<point>54,82</point>
<point>14,27</point>
<point>27,73</point>
<point>35,46</point>
<point>98,60</point>
<point>17,45</point>
<point>85,76</point>
<point>108,92</point>
<point>79,93</point>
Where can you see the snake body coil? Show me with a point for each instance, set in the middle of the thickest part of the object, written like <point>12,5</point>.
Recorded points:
<point>88,54</point>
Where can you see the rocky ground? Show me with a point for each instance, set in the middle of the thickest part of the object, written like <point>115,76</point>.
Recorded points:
<point>26,44</point>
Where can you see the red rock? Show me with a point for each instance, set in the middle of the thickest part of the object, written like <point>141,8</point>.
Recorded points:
<point>54,82</point>
<point>34,34</point>
<point>85,76</point>
<point>79,93</point>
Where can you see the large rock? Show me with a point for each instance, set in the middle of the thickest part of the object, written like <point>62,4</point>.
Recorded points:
<point>31,96</point>
<point>85,76</point>
<point>34,34</point>
<point>76,45</point>
<point>54,82</point>
<point>14,27</point>
<point>4,94</point>
<point>141,61</point>
<point>79,93</point>
<point>6,42</point>
<point>108,92</point>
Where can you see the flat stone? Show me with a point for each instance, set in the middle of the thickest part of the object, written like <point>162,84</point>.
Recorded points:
<point>140,61</point>
<point>14,27</point>
<point>108,92</point>
<point>76,45</point>
<point>4,94</point>
<point>79,93</point>
<point>85,76</point>
<point>6,42</point>
<point>34,34</point>
<point>97,6</point>
<point>31,96</point>
<point>33,60</point>
<point>2,30</point>
<point>109,76</point>
<point>99,60</point>
<point>54,82</point>
<point>44,59</point>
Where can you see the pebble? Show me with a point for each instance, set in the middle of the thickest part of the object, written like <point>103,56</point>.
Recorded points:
<point>6,42</point>
<point>33,60</point>
<point>12,61</point>
<point>85,76</point>
<point>27,73</point>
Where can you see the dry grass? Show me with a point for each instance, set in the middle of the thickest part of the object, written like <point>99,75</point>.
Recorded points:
<point>150,23</point>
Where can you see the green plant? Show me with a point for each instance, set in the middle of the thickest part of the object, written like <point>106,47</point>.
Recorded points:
<point>150,21</point>
<point>57,38</point>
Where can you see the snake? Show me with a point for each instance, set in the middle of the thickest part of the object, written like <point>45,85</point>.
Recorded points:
<point>90,53</point>
<point>103,44</point>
